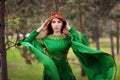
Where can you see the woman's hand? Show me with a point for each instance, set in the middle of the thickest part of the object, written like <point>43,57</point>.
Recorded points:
<point>67,25</point>
<point>44,25</point>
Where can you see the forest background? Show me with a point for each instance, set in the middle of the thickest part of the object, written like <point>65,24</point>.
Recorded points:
<point>99,20</point>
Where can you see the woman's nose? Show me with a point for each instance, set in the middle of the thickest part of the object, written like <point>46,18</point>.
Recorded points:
<point>56,23</point>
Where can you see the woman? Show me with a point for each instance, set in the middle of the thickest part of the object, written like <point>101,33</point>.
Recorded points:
<point>52,49</point>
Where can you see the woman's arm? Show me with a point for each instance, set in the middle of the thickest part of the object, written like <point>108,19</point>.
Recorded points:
<point>34,33</point>
<point>44,25</point>
<point>31,36</point>
<point>73,33</point>
<point>83,38</point>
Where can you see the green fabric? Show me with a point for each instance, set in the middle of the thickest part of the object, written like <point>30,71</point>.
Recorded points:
<point>83,38</point>
<point>58,49</point>
<point>97,64</point>
<point>35,47</point>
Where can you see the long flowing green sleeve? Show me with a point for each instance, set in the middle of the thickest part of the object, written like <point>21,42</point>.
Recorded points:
<point>35,48</point>
<point>97,64</point>
<point>83,38</point>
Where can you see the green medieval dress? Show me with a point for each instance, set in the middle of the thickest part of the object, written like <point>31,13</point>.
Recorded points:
<point>97,64</point>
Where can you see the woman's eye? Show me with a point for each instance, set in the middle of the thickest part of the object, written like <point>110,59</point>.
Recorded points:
<point>59,21</point>
<point>53,21</point>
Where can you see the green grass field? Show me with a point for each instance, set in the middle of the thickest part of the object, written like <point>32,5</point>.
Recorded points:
<point>19,70</point>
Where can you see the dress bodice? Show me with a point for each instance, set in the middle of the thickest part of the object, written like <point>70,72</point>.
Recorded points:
<point>56,46</point>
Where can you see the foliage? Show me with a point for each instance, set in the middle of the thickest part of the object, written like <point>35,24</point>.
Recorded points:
<point>22,16</point>
<point>30,12</point>
<point>115,13</point>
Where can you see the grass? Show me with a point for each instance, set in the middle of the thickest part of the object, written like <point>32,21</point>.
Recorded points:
<point>117,59</point>
<point>19,70</point>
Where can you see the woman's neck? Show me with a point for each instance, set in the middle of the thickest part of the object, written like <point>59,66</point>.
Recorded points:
<point>57,33</point>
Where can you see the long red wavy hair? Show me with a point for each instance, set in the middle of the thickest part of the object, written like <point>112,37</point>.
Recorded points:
<point>49,29</point>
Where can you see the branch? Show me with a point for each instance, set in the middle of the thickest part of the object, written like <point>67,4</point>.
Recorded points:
<point>14,44</point>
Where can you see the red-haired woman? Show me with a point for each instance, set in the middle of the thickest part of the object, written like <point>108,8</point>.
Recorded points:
<point>50,44</point>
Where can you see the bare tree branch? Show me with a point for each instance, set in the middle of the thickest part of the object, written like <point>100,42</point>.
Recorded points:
<point>14,43</point>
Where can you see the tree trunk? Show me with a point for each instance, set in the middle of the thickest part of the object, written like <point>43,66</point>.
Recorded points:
<point>117,37</point>
<point>2,41</point>
<point>0,62</point>
<point>82,72</point>
<point>56,5</point>
<point>81,22</point>
<point>82,30</point>
<point>97,35</point>
<point>111,39</point>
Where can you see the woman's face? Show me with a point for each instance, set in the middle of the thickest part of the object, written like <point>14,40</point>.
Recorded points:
<point>56,25</point>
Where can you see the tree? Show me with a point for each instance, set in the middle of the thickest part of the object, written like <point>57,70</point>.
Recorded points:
<point>117,37</point>
<point>115,17</point>
<point>2,41</point>
<point>56,5</point>
<point>111,38</point>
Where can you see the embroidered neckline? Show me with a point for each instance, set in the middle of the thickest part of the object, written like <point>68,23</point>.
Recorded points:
<point>56,37</point>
